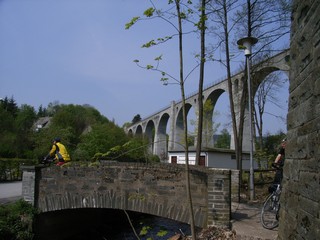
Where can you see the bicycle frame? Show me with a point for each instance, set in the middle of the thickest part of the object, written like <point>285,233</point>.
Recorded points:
<point>270,210</point>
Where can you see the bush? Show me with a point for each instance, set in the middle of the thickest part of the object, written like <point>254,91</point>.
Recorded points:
<point>10,168</point>
<point>16,220</point>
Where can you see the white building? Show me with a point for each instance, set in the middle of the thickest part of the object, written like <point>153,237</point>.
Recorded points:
<point>215,158</point>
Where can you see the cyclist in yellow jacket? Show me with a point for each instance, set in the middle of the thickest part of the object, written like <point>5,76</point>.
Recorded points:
<point>59,152</point>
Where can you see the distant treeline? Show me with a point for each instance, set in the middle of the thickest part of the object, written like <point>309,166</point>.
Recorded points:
<point>27,134</point>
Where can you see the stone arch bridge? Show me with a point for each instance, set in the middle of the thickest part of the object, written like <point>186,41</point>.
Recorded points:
<point>158,189</point>
<point>155,126</point>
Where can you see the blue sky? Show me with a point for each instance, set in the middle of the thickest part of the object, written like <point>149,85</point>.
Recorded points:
<point>78,52</point>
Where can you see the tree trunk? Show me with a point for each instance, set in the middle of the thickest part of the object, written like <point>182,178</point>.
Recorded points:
<point>192,225</point>
<point>201,78</point>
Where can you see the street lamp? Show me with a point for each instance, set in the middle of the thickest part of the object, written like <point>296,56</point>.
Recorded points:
<point>247,43</point>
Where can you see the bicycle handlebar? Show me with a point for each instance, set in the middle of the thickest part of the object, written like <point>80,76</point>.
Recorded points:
<point>276,166</point>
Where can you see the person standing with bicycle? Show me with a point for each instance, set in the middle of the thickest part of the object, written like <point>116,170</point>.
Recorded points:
<point>270,210</point>
<point>279,161</point>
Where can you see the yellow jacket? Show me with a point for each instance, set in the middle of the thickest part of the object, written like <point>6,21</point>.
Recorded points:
<point>60,152</point>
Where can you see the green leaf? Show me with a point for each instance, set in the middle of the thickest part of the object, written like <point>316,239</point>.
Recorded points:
<point>149,67</point>
<point>158,58</point>
<point>162,233</point>
<point>183,15</point>
<point>149,12</point>
<point>149,44</point>
<point>144,230</point>
<point>132,22</point>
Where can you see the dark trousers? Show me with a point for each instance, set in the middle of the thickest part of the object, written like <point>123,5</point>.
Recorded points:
<point>278,176</point>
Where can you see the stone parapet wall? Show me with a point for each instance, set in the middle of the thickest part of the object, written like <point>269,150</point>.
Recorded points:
<point>28,183</point>
<point>154,189</point>
<point>235,186</point>
<point>300,200</point>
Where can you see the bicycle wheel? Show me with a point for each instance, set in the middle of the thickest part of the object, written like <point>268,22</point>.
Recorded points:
<point>269,212</point>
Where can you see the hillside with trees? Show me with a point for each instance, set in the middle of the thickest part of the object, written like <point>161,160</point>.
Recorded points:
<point>87,134</point>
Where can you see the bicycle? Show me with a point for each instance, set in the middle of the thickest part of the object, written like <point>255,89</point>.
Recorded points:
<point>271,206</point>
<point>47,161</point>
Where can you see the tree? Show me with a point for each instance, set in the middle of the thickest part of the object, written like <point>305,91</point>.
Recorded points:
<point>42,112</point>
<point>219,14</point>
<point>7,129</point>
<point>223,140</point>
<point>24,121</point>
<point>136,150</point>
<point>181,12</point>
<point>16,220</point>
<point>15,129</point>
<point>266,93</point>
<point>202,27</point>
<point>209,127</point>
<point>9,105</point>
<point>72,123</point>
<point>269,21</point>
<point>100,139</point>
<point>136,118</point>
<point>52,108</point>
<point>259,17</point>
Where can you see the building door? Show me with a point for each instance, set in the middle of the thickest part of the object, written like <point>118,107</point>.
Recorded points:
<point>202,161</point>
<point>174,159</point>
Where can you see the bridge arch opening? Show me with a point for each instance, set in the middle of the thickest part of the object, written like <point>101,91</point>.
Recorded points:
<point>192,117</point>
<point>162,137</point>
<point>179,128</point>
<point>130,132</point>
<point>139,131</point>
<point>100,223</point>
<point>150,135</point>
<point>216,115</point>
<point>271,93</point>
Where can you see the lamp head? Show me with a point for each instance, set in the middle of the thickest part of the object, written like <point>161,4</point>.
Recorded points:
<point>247,43</point>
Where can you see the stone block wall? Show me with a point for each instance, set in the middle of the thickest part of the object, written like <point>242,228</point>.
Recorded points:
<point>28,183</point>
<point>154,189</point>
<point>300,200</point>
<point>235,187</point>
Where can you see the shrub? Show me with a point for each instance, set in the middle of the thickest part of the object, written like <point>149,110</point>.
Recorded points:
<point>16,220</point>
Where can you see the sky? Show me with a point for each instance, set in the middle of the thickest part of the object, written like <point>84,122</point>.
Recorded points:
<point>79,52</point>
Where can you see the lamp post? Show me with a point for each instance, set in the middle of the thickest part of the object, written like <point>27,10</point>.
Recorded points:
<point>247,43</point>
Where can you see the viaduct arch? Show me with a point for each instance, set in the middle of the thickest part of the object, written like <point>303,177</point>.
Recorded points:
<point>154,127</point>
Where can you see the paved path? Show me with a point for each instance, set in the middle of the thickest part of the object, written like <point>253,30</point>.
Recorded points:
<point>10,192</point>
<point>246,222</point>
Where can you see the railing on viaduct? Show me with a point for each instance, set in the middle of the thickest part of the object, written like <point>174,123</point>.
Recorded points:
<point>158,189</point>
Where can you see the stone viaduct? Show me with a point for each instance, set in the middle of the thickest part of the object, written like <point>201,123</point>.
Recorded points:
<point>171,117</point>
<point>159,190</point>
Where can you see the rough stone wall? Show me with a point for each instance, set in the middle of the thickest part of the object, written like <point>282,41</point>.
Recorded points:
<point>155,189</point>
<point>235,187</point>
<point>300,207</point>
<point>28,183</point>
